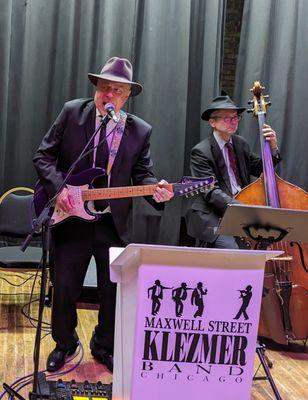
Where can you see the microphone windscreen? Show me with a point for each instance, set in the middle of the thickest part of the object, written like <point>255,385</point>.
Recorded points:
<point>109,107</point>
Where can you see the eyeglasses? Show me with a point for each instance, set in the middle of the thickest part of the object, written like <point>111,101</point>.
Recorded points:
<point>118,91</point>
<point>229,120</point>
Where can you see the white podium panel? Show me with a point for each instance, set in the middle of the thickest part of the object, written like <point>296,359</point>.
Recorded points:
<point>186,322</point>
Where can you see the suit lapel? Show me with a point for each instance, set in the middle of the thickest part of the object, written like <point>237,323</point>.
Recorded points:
<point>220,162</point>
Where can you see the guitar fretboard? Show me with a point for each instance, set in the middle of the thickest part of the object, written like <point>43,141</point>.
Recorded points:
<point>120,192</point>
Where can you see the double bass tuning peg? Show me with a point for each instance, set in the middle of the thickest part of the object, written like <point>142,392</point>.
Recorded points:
<point>250,110</point>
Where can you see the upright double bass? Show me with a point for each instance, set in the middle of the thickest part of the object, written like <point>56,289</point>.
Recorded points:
<point>285,295</point>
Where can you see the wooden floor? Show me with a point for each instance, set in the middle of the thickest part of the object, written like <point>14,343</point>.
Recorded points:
<point>290,370</point>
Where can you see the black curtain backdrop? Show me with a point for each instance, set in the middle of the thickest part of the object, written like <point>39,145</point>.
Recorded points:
<point>274,50</point>
<point>49,46</point>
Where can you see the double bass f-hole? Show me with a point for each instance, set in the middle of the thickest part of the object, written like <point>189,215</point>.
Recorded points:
<point>301,254</point>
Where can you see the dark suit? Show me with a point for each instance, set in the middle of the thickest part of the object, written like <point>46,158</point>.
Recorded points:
<point>178,296</point>
<point>197,299</point>
<point>156,297</point>
<point>76,241</point>
<point>207,160</point>
<point>246,296</point>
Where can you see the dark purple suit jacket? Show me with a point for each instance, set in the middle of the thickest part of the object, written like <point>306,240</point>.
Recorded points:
<point>66,139</point>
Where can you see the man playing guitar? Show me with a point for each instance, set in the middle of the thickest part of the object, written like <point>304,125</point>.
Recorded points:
<point>122,148</point>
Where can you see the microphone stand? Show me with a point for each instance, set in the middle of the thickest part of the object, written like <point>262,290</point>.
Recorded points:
<point>43,222</point>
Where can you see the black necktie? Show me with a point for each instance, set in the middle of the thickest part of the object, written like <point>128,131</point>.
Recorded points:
<point>101,161</point>
<point>102,153</point>
<point>233,163</point>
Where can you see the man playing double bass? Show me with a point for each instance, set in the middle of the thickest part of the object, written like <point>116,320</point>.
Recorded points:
<point>229,158</point>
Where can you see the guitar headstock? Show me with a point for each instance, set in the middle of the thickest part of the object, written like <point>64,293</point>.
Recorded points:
<point>189,186</point>
<point>259,100</point>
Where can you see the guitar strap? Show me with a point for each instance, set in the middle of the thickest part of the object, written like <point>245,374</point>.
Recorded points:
<point>116,140</point>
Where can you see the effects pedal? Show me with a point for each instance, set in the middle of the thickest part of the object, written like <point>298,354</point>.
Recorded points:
<point>71,390</point>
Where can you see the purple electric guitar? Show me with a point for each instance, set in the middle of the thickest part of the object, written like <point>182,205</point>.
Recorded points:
<point>85,194</point>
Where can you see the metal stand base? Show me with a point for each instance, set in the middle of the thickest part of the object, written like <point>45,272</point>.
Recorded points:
<point>266,364</point>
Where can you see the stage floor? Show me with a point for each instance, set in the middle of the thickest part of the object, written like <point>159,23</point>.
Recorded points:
<point>290,370</point>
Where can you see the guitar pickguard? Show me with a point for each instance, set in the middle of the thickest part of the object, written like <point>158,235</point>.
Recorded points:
<point>79,209</point>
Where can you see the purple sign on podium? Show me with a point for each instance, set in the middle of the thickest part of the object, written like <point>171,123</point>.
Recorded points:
<point>186,322</point>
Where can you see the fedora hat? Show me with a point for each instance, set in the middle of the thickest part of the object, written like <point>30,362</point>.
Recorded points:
<point>117,70</point>
<point>221,103</point>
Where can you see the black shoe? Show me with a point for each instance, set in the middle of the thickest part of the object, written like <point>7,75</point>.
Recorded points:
<point>57,358</point>
<point>104,357</point>
<point>101,354</point>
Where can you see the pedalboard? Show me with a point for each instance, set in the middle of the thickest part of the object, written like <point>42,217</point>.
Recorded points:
<point>71,390</point>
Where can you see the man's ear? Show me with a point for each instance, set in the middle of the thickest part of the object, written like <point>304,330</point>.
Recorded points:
<point>212,122</point>
<point>127,97</point>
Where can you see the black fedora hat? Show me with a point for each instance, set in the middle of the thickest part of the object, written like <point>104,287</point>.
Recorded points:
<point>221,103</point>
<point>117,70</point>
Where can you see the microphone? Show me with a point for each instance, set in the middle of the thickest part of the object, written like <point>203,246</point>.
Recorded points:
<point>109,107</point>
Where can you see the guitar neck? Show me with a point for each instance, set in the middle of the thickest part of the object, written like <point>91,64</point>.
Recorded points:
<point>120,192</point>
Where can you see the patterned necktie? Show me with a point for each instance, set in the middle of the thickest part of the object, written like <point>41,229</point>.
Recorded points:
<point>102,153</point>
<point>233,163</point>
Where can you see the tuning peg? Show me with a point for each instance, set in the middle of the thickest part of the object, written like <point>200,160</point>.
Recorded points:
<point>250,110</point>
<point>266,96</point>
<point>268,104</point>
<point>250,102</point>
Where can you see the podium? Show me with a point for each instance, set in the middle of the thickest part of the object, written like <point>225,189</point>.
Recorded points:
<point>186,321</point>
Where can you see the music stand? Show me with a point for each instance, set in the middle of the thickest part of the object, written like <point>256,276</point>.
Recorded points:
<point>265,225</point>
